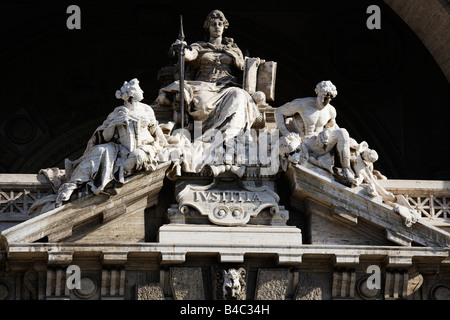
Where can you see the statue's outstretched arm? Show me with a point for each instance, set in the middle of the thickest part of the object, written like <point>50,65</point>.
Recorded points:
<point>280,113</point>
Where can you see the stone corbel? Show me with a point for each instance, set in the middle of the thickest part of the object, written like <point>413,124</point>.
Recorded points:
<point>60,258</point>
<point>170,257</point>
<point>398,261</point>
<point>398,238</point>
<point>341,260</point>
<point>289,259</point>
<point>114,258</point>
<point>231,257</point>
<point>187,283</point>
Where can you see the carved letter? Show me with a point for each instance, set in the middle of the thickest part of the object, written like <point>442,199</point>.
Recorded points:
<point>214,196</point>
<point>204,195</point>
<point>74,21</point>
<point>256,198</point>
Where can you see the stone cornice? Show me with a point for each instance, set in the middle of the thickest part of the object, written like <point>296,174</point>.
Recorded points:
<point>390,256</point>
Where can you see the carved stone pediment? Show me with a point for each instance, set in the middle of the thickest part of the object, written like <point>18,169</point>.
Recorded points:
<point>92,219</point>
<point>229,204</point>
<point>337,214</point>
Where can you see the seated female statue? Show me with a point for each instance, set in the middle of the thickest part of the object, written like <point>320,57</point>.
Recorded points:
<point>214,95</point>
<point>128,141</point>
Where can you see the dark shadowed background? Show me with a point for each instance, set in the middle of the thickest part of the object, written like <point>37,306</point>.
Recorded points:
<point>58,84</point>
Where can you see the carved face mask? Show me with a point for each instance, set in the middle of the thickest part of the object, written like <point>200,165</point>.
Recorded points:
<point>231,285</point>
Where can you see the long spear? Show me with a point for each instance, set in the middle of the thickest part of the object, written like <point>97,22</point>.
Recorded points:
<point>181,69</point>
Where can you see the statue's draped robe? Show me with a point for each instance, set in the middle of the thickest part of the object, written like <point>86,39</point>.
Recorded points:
<point>215,98</point>
<point>106,160</point>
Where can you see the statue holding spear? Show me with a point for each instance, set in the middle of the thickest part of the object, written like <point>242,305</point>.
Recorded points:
<point>213,91</point>
<point>179,46</point>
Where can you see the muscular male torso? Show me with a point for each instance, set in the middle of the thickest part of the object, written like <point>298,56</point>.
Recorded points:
<point>310,120</point>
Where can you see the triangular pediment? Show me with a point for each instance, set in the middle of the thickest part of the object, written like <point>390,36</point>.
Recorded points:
<point>328,227</point>
<point>337,214</point>
<point>93,218</point>
<point>334,215</point>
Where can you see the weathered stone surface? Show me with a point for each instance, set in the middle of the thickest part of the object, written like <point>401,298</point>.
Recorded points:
<point>312,286</point>
<point>272,284</point>
<point>149,291</point>
<point>306,183</point>
<point>231,284</point>
<point>224,223</point>
<point>232,243</point>
<point>344,281</point>
<point>415,281</point>
<point>187,283</point>
<point>440,291</point>
<point>140,192</point>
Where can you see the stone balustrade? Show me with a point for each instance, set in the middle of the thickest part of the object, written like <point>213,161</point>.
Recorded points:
<point>431,198</point>
<point>17,194</point>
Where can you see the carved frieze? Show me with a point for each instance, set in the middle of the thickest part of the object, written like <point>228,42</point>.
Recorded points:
<point>113,283</point>
<point>343,284</point>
